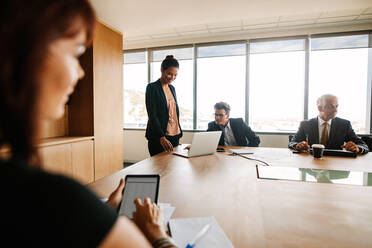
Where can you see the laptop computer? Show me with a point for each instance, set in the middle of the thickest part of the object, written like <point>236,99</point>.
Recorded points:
<point>203,143</point>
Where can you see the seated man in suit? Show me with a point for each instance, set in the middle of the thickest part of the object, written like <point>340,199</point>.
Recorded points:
<point>235,132</point>
<point>327,129</point>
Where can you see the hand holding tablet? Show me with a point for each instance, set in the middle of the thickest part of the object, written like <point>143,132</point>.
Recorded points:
<point>138,186</point>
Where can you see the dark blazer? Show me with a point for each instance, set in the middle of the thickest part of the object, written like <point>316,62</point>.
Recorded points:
<point>157,110</point>
<point>244,136</point>
<point>341,131</point>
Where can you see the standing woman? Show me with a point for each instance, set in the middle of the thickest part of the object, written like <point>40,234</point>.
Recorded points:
<point>41,41</point>
<point>163,127</point>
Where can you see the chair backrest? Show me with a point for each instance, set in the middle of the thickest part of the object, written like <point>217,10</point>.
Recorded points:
<point>368,140</point>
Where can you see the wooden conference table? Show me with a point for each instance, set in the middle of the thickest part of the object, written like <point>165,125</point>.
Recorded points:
<point>262,213</point>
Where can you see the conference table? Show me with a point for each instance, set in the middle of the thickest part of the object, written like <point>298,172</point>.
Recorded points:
<point>262,213</point>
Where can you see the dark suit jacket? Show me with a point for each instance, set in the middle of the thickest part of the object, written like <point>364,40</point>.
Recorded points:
<point>244,136</point>
<point>157,110</point>
<point>341,131</point>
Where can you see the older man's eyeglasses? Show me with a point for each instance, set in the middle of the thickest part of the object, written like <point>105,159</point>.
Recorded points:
<point>219,115</point>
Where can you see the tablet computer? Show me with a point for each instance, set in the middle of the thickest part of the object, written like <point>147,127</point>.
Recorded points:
<point>138,186</point>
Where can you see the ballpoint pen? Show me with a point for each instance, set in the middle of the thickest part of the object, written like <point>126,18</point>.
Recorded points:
<point>198,236</point>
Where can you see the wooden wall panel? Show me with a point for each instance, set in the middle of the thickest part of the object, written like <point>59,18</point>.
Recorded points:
<point>108,101</point>
<point>82,161</point>
<point>56,128</point>
<point>94,109</point>
<point>81,101</point>
<point>57,159</point>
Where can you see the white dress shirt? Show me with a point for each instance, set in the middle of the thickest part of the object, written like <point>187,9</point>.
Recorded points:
<point>229,137</point>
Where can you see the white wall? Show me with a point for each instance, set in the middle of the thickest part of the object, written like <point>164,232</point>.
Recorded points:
<point>135,143</point>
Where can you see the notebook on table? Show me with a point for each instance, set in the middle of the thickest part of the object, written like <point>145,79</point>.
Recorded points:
<point>183,230</point>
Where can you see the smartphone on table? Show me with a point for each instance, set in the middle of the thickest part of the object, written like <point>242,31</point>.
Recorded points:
<point>138,186</point>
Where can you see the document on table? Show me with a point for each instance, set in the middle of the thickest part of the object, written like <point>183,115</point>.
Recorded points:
<point>185,229</point>
<point>167,212</point>
<point>241,151</point>
<point>167,209</point>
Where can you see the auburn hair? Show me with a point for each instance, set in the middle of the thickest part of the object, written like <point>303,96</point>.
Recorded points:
<point>27,28</point>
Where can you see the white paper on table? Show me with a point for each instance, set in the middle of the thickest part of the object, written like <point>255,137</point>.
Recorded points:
<point>241,151</point>
<point>167,212</point>
<point>185,229</point>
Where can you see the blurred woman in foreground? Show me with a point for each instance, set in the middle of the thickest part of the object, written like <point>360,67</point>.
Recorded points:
<point>41,41</point>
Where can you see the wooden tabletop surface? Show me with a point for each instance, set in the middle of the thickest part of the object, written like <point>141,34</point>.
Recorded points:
<point>262,213</point>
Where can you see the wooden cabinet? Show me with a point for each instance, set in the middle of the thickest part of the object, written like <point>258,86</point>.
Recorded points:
<point>73,158</point>
<point>57,159</point>
<point>82,161</point>
<point>87,143</point>
<point>102,94</point>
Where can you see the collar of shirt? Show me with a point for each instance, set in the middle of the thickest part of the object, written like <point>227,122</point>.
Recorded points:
<point>321,121</point>
<point>227,126</point>
<point>229,138</point>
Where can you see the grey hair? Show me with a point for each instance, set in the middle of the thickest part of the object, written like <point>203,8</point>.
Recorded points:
<point>223,105</point>
<point>324,98</point>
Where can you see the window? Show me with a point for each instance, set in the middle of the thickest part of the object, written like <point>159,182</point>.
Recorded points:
<point>276,85</point>
<point>183,83</point>
<point>220,77</point>
<point>135,81</point>
<point>339,66</point>
<point>273,82</point>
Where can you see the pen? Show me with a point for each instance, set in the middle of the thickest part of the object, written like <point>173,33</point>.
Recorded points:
<point>198,236</point>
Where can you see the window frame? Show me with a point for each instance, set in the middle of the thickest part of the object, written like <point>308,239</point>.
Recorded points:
<point>146,62</point>
<point>307,38</point>
<point>206,44</point>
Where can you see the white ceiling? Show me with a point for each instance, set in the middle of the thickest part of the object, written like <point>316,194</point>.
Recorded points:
<point>143,21</point>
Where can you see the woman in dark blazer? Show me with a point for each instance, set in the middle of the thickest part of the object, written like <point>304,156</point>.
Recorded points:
<point>163,127</point>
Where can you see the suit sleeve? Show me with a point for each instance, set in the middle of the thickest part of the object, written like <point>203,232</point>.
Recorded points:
<point>351,136</point>
<point>298,137</point>
<point>210,127</point>
<point>253,139</point>
<point>152,112</point>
